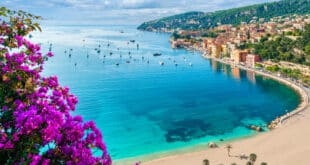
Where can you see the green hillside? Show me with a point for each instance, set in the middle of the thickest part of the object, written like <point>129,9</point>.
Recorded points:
<point>200,20</point>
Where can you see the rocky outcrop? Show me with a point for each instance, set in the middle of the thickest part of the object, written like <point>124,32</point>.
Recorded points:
<point>212,145</point>
<point>255,128</point>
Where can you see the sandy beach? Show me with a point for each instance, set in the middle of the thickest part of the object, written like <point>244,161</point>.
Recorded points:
<point>288,144</point>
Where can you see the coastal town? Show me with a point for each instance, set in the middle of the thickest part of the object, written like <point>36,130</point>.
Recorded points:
<point>227,83</point>
<point>228,43</point>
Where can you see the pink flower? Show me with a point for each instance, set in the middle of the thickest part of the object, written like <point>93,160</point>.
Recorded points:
<point>15,137</point>
<point>8,145</point>
<point>19,40</point>
<point>5,108</point>
<point>50,54</point>
<point>37,110</point>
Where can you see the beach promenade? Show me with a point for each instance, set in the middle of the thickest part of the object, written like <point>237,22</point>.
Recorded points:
<point>288,144</point>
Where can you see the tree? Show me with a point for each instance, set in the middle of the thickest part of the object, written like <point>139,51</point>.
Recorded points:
<point>253,157</point>
<point>228,147</point>
<point>206,162</point>
<point>307,49</point>
<point>263,163</point>
<point>249,163</point>
<point>175,35</point>
<point>36,125</point>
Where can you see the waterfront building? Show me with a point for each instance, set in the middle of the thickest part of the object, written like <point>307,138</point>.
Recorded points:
<point>224,50</point>
<point>239,56</point>
<point>251,60</point>
<point>215,50</point>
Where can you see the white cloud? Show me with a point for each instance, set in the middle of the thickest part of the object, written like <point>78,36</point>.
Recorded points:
<point>137,4</point>
<point>118,11</point>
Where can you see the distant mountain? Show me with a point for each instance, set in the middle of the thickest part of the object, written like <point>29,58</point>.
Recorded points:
<point>254,13</point>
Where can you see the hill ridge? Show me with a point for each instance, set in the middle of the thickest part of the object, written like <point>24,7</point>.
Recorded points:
<point>199,20</point>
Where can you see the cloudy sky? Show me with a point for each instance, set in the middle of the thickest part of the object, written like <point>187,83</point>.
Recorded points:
<point>117,11</point>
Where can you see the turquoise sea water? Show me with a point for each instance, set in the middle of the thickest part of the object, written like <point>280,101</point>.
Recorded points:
<point>144,108</point>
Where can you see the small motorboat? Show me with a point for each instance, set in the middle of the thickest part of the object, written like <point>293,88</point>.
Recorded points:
<point>133,41</point>
<point>190,64</point>
<point>156,54</point>
<point>117,64</point>
<point>161,63</point>
<point>127,62</point>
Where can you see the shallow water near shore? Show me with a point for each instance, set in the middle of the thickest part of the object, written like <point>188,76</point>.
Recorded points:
<point>143,107</point>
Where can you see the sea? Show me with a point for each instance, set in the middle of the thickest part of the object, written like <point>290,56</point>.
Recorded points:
<point>156,105</point>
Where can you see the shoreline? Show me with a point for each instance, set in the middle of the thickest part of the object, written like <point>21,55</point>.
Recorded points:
<point>277,125</point>
<point>304,103</point>
<point>144,159</point>
<point>188,152</point>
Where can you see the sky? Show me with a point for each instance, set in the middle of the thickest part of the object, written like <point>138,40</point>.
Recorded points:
<point>117,11</point>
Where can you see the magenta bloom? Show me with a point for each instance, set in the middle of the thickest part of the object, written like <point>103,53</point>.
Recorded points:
<point>50,54</point>
<point>19,40</point>
<point>35,112</point>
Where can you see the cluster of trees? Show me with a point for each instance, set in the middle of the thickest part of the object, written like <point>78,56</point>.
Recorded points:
<point>294,33</point>
<point>176,35</point>
<point>294,73</point>
<point>273,69</point>
<point>210,34</point>
<point>285,49</point>
<point>252,160</point>
<point>231,16</point>
<point>288,72</point>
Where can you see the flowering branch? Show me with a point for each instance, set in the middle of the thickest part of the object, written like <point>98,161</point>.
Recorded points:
<point>36,126</point>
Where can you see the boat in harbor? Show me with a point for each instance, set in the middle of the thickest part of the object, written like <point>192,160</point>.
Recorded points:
<point>161,63</point>
<point>156,54</point>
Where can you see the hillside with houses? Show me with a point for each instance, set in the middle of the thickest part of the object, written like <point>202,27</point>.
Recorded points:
<point>279,45</point>
<point>250,14</point>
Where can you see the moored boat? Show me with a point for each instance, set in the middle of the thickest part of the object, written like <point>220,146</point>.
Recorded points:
<point>157,54</point>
